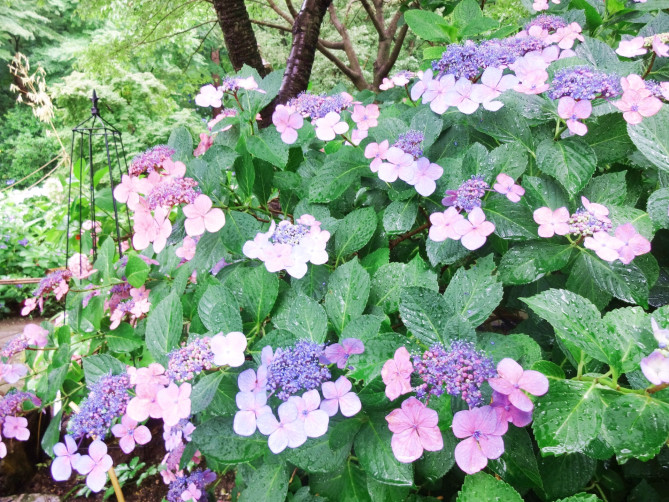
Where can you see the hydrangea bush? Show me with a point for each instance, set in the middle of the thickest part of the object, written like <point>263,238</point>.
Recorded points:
<point>456,286</point>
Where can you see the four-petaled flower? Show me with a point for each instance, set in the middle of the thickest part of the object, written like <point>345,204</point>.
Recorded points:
<point>228,349</point>
<point>130,433</point>
<point>315,419</point>
<point>329,126</point>
<point>251,406</point>
<point>513,380</point>
<point>483,429</point>
<point>288,432</point>
<point>396,374</point>
<point>175,402</point>
<point>66,459</point>
<point>414,427</point>
<point>573,111</point>
<point>287,121</point>
<point>631,48</point>
<point>443,225</point>
<point>338,395</point>
<point>474,230</point>
<point>95,465</point>
<point>200,216</point>
<point>16,427</point>
<point>552,222</point>
<point>655,368</point>
<point>506,186</point>
<point>340,352</point>
<point>365,116</point>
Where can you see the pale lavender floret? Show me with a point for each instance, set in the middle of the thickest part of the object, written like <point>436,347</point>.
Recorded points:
<point>287,233</point>
<point>178,191</point>
<point>296,368</point>
<point>468,195</point>
<point>314,419</point>
<point>252,405</point>
<point>12,404</point>
<point>584,83</point>
<point>318,106</point>
<point>107,400</point>
<point>546,22</point>
<point>584,223</point>
<point>190,360</point>
<point>150,160</point>
<point>410,142</point>
<point>655,368</point>
<point>15,345</point>
<point>288,431</point>
<point>198,478</point>
<point>175,435</point>
<point>459,371</point>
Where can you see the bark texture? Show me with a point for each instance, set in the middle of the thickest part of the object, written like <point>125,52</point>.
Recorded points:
<point>240,41</point>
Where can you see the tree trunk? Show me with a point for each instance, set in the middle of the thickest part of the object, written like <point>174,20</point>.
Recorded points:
<point>240,40</point>
<point>306,29</point>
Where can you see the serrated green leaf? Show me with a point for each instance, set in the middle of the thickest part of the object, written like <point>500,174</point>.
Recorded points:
<point>204,390</point>
<point>658,208</point>
<point>518,465</point>
<point>136,271</point>
<point>303,317</point>
<point>543,191</point>
<point>164,326</point>
<point>347,485</point>
<point>565,474</point>
<point>268,146</point>
<point>400,216</point>
<point>123,339</point>
<point>219,311</point>
<point>347,294</point>
<point>99,365</point>
<point>260,289</point>
<point>216,438</point>
<point>427,25</point>
<point>651,137</point>
<point>512,221</point>
<point>610,188</point>
<point>318,456</point>
<point>530,261</point>
<point>268,483</point>
<point>425,313</point>
<point>571,161</point>
<point>482,486</point>
<point>354,232</point>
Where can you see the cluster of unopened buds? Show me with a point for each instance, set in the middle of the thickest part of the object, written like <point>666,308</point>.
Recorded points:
<point>473,231</point>
<point>153,197</point>
<point>12,425</point>
<point>126,303</point>
<point>284,373</point>
<point>458,371</point>
<point>655,367</point>
<point>56,283</point>
<point>591,222</point>
<point>289,246</point>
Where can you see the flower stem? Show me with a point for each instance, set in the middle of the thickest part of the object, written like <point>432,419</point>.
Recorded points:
<point>115,484</point>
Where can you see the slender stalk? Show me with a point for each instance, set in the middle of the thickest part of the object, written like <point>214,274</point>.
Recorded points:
<point>117,487</point>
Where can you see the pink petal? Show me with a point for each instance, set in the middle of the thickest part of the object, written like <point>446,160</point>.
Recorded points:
<point>491,446</point>
<point>430,438</point>
<point>142,435</point>
<point>278,441</point>
<point>406,446</point>
<point>510,370</point>
<point>244,423</point>
<point>61,468</point>
<point>84,465</point>
<point>472,240</point>
<point>97,450</point>
<point>96,479</point>
<point>343,385</point>
<point>330,406</point>
<point>247,380</point>
<point>214,220</point>
<point>462,424</point>
<point>316,423</point>
<point>127,444</point>
<point>469,457</point>
<point>349,404</point>
<point>289,136</point>
<point>534,382</point>
<point>521,401</point>
<point>267,423</point>
<point>194,226</point>
<point>501,385</point>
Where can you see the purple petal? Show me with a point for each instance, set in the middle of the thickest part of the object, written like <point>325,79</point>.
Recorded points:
<point>349,404</point>
<point>61,468</point>
<point>469,457</point>
<point>247,381</point>
<point>316,423</point>
<point>84,465</point>
<point>127,444</point>
<point>278,440</point>
<point>330,406</point>
<point>245,423</point>
<point>267,424</point>
<point>96,479</point>
<point>491,446</point>
<point>312,399</point>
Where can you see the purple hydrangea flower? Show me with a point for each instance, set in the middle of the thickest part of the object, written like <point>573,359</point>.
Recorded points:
<point>52,281</point>
<point>190,360</point>
<point>199,479</point>
<point>178,191</point>
<point>150,160</point>
<point>584,83</point>
<point>459,371</point>
<point>410,142</point>
<point>546,22</point>
<point>338,353</point>
<point>297,368</point>
<point>318,106</point>
<point>288,431</point>
<point>287,233</point>
<point>468,195</point>
<point>107,400</point>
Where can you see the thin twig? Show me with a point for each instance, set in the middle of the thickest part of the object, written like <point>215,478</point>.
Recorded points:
<point>406,236</point>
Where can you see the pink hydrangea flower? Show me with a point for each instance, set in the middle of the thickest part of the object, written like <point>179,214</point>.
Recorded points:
<point>660,48</point>
<point>66,459</point>
<point>16,427</point>
<point>145,403</point>
<point>422,176</point>
<point>200,217</point>
<point>329,126</point>
<point>29,305</point>
<point>655,368</point>
<point>251,406</point>
<point>173,169</point>
<point>95,465</point>
<point>631,48</point>
<point>12,373</point>
<point>396,374</point>
<point>174,402</point>
<point>566,36</point>
<point>493,84</point>
<point>443,225</point>
<point>248,381</point>
<point>309,411</point>
<point>357,135</point>
<point>420,87</point>
<point>606,246</point>
<point>513,380</point>
<point>377,152</point>
<point>483,429</point>
<point>187,249</point>
<point>338,395</point>
<point>3,450</point>
<point>660,334</point>
<point>205,144</point>
<point>340,352</point>
<point>192,492</point>
<point>129,190</point>
<point>460,96</point>
<point>365,116</point>
<point>540,5</point>
<point>415,428</point>
<point>552,222</point>
<point>474,230</point>
<point>288,432</point>
<point>209,96</point>
<point>162,228</point>
<point>510,413</point>
<point>397,160</point>
<point>636,105</point>
<point>130,433</point>
<point>229,349</point>
<point>80,266</point>
<point>573,111</point>
<point>634,244</point>
<point>36,335</point>
<point>507,186</point>
<point>287,122</point>
<point>437,93</point>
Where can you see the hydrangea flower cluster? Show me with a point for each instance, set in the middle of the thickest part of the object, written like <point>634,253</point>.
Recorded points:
<point>190,360</point>
<point>32,335</point>
<point>211,95</point>
<point>57,282</point>
<point>126,302</point>
<point>151,160</point>
<point>191,487</point>
<point>655,367</point>
<point>462,370</point>
<point>400,79</point>
<point>459,371</point>
<point>12,426</point>
<point>290,246</point>
<point>107,400</point>
<point>404,160</point>
<point>473,231</point>
<point>286,372</point>
<point>591,222</point>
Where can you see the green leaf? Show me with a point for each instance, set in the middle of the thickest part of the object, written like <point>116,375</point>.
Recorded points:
<point>505,125</point>
<point>105,260</point>
<point>571,161</point>
<point>268,146</point>
<point>425,313</point>
<point>509,158</point>
<point>223,403</point>
<point>382,492</point>
<point>530,261</point>
<point>518,465</point>
<point>341,170</point>
<point>636,426</point>
<point>512,221</point>
<point>658,203</point>
<point>581,283</point>
<point>473,294</point>
<point>354,231</point>
<point>204,390</point>
<point>651,137</point>
<point>318,456</point>
<point>52,433</point>
<point>367,366</point>
<point>260,289</point>
<point>245,173</point>
<point>372,446</point>
<point>239,227</point>
<point>216,438</point>
<point>392,277</point>
<point>182,142</point>
<point>446,252</point>
<point>427,25</point>
<point>219,311</point>
<point>347,485</point>
<point>434,465</point>
<point>303,317</point>
<point>566,474</point>
<point>519,347</point>
<point>610,188</point>
<point>136,271</point>
<point>543,191</point>
<point>465,12</point>
<point>262,186</point>
<point>609,139</point>
<point>269,483</point>
<point>482,486</point>
<point>568,417</point>
<point>400,216</point>
<point>164,326</point>
<point>314,284</point>
<point>629,338</point>
<point>123,339</point>
<point>626,282</point>
<point>99,365</point>
<point>427,122</point>
<point>347,294</point>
